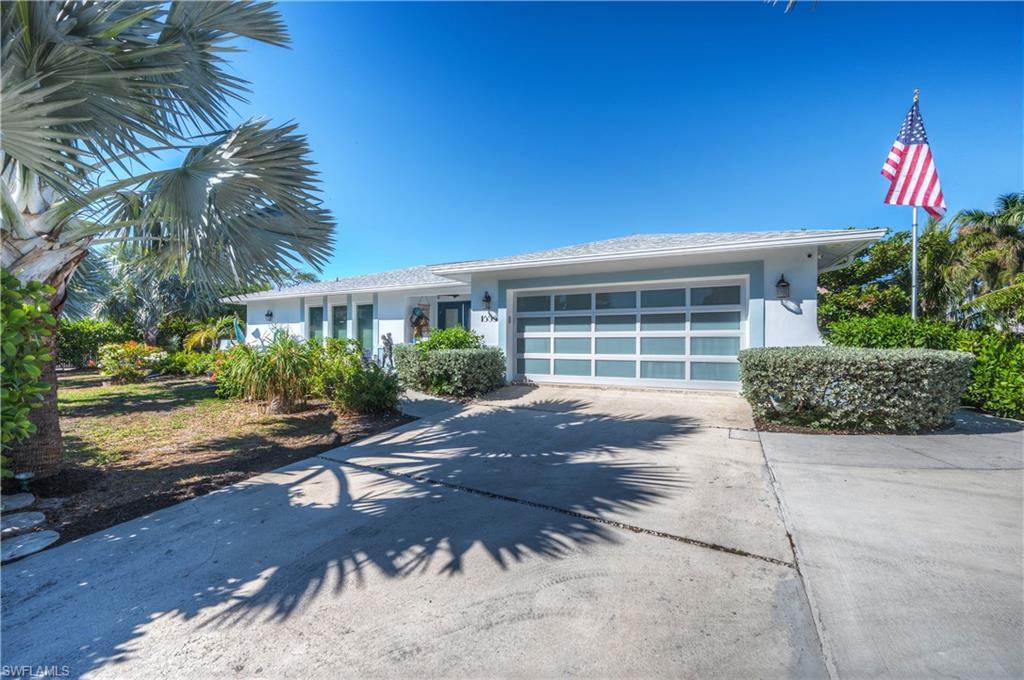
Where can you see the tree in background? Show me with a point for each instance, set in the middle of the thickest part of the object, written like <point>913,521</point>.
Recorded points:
<point>969,271</point>
<point>992,244</point>
<point>93,91</point>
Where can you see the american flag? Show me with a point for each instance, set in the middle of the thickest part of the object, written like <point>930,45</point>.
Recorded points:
<point>911,168</point>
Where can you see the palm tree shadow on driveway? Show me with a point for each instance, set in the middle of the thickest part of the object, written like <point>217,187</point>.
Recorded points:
<point>262,550</point>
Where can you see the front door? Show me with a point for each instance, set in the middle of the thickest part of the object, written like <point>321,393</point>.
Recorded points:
<point>451,314</point>
<point>364,327</point>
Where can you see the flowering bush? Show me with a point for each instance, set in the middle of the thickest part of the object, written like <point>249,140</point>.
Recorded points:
<point>130,361</point>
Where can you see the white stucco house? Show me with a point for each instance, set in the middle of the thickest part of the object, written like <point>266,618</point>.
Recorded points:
<point>652,310</point>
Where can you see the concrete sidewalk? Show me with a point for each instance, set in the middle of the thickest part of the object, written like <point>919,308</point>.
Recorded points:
<point>911,546</point>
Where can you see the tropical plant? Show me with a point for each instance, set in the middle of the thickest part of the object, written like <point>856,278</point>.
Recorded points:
<point>90,93</point>
<point>25,328</point>
<point>993,243</point>
<point>277,375</point>
<point>130,361</point>
<point>350,382</point>
<point>209,333</point>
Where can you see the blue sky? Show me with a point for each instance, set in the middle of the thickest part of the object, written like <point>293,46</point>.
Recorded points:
<point>455,131</point>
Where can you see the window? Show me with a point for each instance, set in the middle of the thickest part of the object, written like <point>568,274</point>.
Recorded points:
<point>675,297</point>
<point>572,302</point>
<point>715,295</point>
<point>316,323</point>
<point>339,322</point>
<point>625,300</point>
<point>534,303</point>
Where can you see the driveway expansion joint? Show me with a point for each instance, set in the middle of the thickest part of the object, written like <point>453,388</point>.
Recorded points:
<point>572,513</point>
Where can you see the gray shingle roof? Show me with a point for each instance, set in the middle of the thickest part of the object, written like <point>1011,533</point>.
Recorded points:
<point>638,243</point>
<point>396,278</point>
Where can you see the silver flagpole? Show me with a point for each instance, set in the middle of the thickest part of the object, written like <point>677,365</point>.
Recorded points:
<point>913,256</point>
<point>913,271</point>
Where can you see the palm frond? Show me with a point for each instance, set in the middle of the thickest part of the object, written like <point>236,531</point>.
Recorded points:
<point>238,211</point>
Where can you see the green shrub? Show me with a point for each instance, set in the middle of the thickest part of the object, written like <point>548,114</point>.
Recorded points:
<point>997,383</point>
<point>451,372</point>
<point>26,327</point>
<point>892,331</point>
<point>451,338</point>
<point>78,342</point>
<point>130,361</point>
<point>189,363</point>
<point>227,380</point>
<point>174,328</point>
<point>856,389</point>
<point>343,376</point>
<point>277,375</point>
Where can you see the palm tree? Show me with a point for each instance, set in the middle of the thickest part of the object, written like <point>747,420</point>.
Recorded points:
<point>210,332</point>
<point>993,243</point>
<point>91,93</point>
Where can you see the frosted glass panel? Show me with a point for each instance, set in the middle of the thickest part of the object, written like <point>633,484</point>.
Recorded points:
<point>715,295</point>
<point>625,300</point>
<point>662,322</point>
<point>715,321</point>
<point>533,345</point>
<point>540,324</point>
<point>572,302</point>
<point>615,369</point>
<point>572,345</point>
<point>700,370</point>
<point>534,303</point>
<point>617,322</point>
<point>572,324</point>
<point>615,346</point>
<point>662,345</point>
<point>715,346</point>
<point>534,366</point>
<point>663,370</point>
<point>572,367</point>
<point>675,297</point>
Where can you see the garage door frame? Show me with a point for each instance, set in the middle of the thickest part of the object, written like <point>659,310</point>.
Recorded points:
<point>516,335</point>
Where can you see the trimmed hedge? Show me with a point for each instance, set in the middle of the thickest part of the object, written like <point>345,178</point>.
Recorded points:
<point>997,384</point>
<point>79,342</point>
<point>854,389</point>
<point>451,372</point>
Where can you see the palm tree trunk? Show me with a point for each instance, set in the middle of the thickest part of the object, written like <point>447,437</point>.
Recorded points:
<point>42,453</point>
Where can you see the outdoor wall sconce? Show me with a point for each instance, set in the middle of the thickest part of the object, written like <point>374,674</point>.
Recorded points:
<point>782,288</point>
<point>487,300</point>
<point>269,316</point>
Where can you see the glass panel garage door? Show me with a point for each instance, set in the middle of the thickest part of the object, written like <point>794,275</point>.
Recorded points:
<point>655,335</point>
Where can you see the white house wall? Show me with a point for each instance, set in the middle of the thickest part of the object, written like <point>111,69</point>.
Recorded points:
<point>288,315</point>
<point>483,321</point>
<point>792,322</point>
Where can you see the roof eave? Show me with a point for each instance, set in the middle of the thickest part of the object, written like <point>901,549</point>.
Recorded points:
<point>859,237</point>
<point>282,295</point>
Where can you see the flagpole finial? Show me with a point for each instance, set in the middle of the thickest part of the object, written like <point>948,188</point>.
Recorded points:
<point>917,94</point>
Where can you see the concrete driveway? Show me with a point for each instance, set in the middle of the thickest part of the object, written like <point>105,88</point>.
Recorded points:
<point>545,532</point>
<point>911,547</point>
